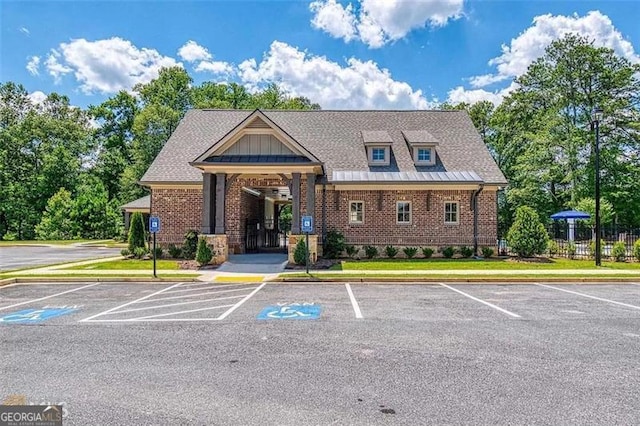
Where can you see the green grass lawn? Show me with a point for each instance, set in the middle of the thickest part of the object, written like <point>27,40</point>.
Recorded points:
<point>125,264</point>
<point>82,275</point>
<point>471,264</point>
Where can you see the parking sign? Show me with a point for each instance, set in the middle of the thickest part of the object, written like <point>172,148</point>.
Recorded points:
<point>154,224</point>
<point>307,224</point>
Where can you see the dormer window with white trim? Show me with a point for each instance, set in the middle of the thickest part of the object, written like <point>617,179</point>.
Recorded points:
<point>422,145</point>
<point>378,146</point>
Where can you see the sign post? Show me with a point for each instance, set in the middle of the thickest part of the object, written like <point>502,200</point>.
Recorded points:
<point>154,227</point>
<point>307,228</point>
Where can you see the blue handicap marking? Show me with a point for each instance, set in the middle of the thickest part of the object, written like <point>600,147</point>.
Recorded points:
<point>32,316</point>
<point>301,311</point>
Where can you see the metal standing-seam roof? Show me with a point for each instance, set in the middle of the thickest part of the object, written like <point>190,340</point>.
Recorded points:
<point>335,138</point>
<point>451,177</point>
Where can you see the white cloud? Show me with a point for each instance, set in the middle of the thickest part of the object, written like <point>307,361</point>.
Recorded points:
<point>25,30</point>
<point>108,65</point>
<point>193,52</point>
<point>532,42</point>
<point>380,22</point>
<point>33,66</point>
<point>460,94</point>
<point>358,85</point>
<point>37,97</point>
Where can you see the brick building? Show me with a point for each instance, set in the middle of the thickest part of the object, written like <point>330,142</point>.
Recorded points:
<point>402,178</point>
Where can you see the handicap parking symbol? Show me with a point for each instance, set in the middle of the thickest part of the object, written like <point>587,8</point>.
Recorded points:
<point>300,311</point>
<point>32,316</point>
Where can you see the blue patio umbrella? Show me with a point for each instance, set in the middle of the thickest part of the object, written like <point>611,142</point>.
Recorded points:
<point>570,216</point>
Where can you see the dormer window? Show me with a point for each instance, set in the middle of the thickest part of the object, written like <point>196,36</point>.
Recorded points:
<point>422,145</point>
<point>378,146</point>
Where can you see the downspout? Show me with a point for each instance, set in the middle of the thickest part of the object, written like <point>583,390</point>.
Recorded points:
<point>474,201</point>
<point>324,211</point>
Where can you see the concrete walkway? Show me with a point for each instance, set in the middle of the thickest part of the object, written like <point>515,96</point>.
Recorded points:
<point>262,263</point>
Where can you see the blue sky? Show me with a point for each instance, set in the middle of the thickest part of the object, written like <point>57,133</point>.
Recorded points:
<point>358,54</point>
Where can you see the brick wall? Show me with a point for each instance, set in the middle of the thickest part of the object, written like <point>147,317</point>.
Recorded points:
<point>179,209</point>
<point>427,226</point>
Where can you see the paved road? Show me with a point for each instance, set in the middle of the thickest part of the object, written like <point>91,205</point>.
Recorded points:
<point>420,354</point>
<point>16,257</point>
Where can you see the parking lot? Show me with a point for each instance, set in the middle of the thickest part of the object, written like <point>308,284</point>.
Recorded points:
<point>209,353</point>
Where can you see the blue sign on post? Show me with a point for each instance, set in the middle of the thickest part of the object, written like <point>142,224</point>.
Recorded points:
<point>299,311</point>
<point>154,224</point>
<point>32,316</point>
<point>307,224</point>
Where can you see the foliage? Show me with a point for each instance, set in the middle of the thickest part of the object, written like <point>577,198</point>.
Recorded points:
<point>527,236</point>
<point>203,253</point>
<point>571,250</point>
<point>334,244</point>
<point>588,205</point>
<point>190,244</point>
<point>300,252</point>
<point>370,251</point>
<point>427,252</point>
<point>174,251</point>
<point>592,249</point>
<point>56,223</point>
<point>410,252</point>
<point>466,251</point>
<point>390,251</point>
<point>351,250</point>
<point>140,252</point>
<point>159,252</point>
<point>125,253</point>
<point>619,251</point>
<point>636,250</point>
<point>136,232</point>
<point>285,218</point>
<point>552,247</point>
<point>487,252</point>
<point>448,252</point>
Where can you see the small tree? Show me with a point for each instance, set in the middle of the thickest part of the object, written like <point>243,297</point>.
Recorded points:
<point>203,253</point>
<point>334,244</point>
<point>56,223</point>
<point>619,251</point>
<point>190,244</point>
<point>136,232</point>
<point>527,236</point>
<point>300,253</point>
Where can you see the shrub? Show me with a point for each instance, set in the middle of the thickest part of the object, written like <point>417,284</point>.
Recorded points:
<point>466,251</point>
<point>334,244</point>
<point>552,248</point>
<point>203,252</point>
<point>139,252</point>
<point>527,236</point>
<point>125,252</point>
<point>300,253</point>
<point>390,251</point>
<point>136,232</point>
<point>159,252</point>
<point>351,251</point>
<point>410,252</point>
<point>174,251</point>
<point>370,251</point>
<point>636,250</point>
<point>619,251</point>
<point>487,252</point>
<point>571,250</point>
<point>427,252</point>
<point>592,249</point>
<point>448,252</point>
<point>190,244</point>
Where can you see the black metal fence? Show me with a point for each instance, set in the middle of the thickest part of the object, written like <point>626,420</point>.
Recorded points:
<point>577,241</point>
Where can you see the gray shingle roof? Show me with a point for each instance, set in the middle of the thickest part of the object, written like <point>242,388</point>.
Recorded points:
<point>419,136</point>
<point>334,137</point>
<point>376,136</point>
<point>140,203</point>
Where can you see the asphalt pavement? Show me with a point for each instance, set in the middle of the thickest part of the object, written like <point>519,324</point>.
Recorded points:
<point>18,257</point>
<point>205,353</point>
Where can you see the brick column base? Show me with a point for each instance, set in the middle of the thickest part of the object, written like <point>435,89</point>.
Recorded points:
<point>219,247</point>
<point>313,246</point>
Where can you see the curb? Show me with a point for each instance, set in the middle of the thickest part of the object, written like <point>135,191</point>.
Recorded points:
<point>503,281</point>
<point>28,280</point>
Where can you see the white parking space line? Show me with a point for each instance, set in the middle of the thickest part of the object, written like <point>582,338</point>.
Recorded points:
<point>195,295</point>
<point>354,302</point>
<point>212,287</point>
<point>48,297</point>
<point>589,296</point>
<point>237,305</point>
<point>181,312</point>
<point>481,301</point>
<point>129,303</point>
<point>173,304</point>
<point>218,284</point>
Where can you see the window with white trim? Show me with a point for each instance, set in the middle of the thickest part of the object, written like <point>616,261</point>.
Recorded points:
<point>451,212</point>
<point>356,212</point>
<point>378,154</point>
<point>403,212</point>
<point>424,155</point>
